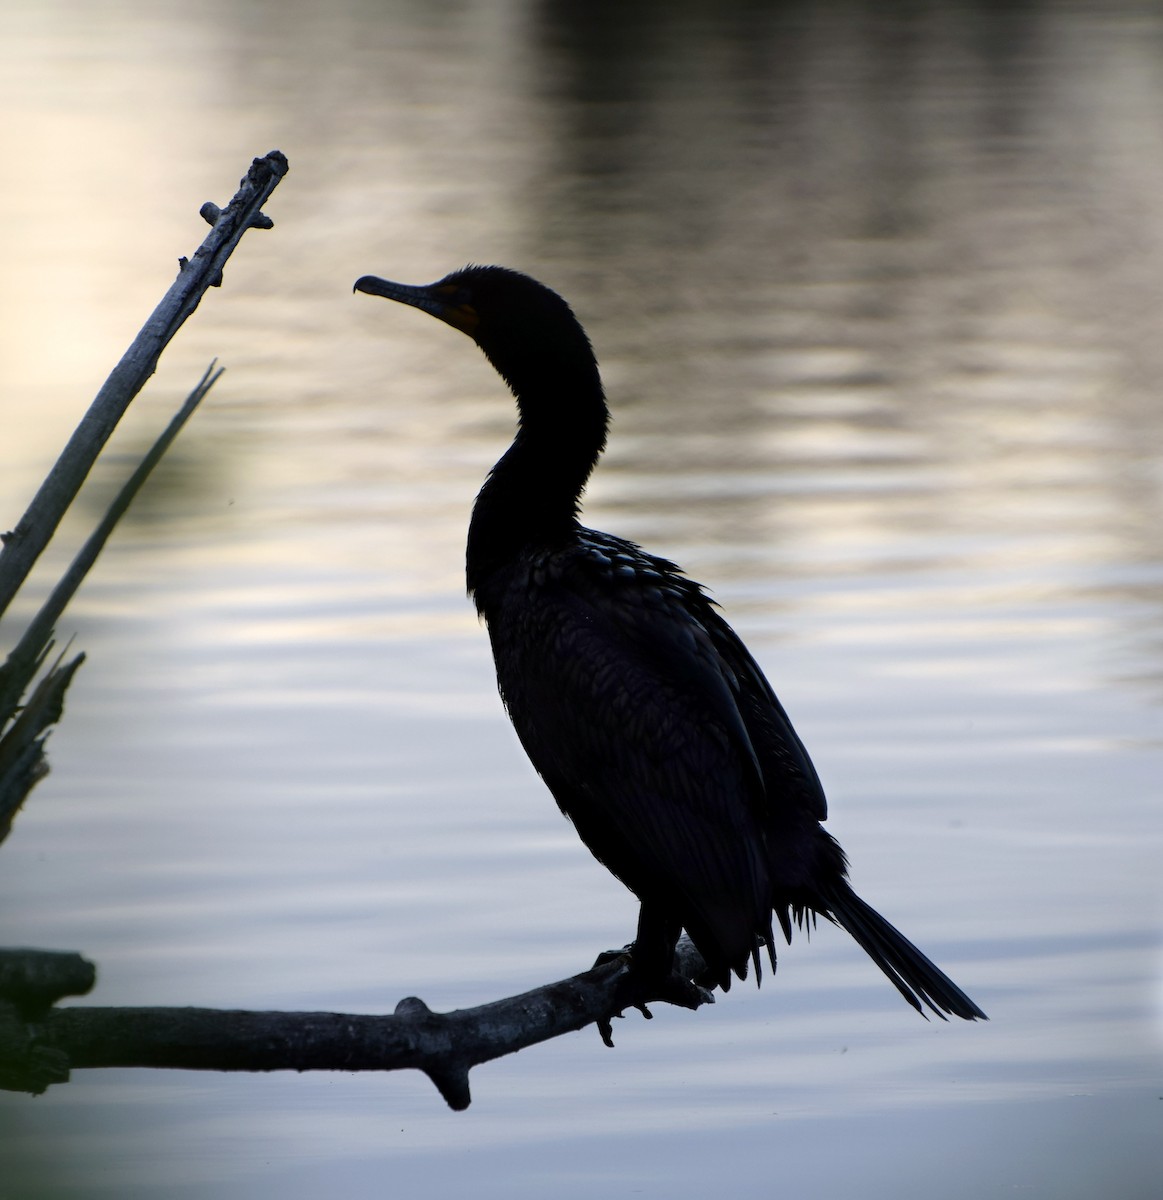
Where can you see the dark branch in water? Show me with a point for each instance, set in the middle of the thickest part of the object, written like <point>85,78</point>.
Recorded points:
<point>38,1048</point>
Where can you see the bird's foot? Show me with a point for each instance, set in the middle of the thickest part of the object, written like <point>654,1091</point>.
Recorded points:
<point>626,954</point>
<point>623,957</point>
<point>643,987</point>
<point>684,993</point>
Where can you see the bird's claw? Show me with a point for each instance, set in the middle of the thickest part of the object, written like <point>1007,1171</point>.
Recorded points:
<point>684,993</point>
<point>612,956</point>
<point>674,989</point>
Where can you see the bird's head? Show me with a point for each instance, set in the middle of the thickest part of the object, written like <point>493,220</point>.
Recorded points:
<point>526,330</point>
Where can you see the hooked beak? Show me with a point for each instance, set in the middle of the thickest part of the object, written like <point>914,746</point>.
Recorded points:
<point>442,300</point>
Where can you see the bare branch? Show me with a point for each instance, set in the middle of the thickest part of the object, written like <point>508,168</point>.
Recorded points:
<point>24,544</point>
<point>22,758</point>
<point>22,737</point>
<point>22,663</point>
<point>445,1046</point>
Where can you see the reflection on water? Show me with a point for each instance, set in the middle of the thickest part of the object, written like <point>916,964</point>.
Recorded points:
<point>876,297</point>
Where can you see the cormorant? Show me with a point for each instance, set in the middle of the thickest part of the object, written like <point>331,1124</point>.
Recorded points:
<point>652,725</point>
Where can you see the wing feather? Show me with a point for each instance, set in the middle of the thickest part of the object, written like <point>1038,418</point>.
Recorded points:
<point>629,710</point>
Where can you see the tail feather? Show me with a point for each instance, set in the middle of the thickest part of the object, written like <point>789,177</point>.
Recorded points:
<point>913,974</point>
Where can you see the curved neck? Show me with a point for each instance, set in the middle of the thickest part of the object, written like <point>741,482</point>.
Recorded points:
<point>530,499</point>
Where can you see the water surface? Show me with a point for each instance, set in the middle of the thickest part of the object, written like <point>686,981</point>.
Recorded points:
<point>876,298</point>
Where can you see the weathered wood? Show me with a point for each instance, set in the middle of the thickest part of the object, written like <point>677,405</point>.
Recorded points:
<point>23,730</point>
<point>35,980</point>
<point>22,758</point>
<point>23,545</point>
<point>22,663</point>
<point>445,1046</point>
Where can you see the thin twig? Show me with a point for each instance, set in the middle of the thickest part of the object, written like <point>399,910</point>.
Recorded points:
<point>23,662</point>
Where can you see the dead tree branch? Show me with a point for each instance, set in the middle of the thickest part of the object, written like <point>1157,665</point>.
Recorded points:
<point>24,544</point>
<point>38,1047</point>
<point>22,663</point>
<point>23,729</point>
<point>22,755</point>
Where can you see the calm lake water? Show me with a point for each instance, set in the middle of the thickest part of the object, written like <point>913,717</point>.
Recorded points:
<point>877,295</point>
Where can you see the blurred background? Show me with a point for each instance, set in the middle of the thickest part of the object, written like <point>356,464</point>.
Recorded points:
<point>877,289</point>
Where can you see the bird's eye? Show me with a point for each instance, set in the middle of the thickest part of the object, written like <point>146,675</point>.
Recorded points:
<point>453,293</point>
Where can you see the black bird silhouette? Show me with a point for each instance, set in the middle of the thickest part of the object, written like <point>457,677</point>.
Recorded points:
<point>652,725</point>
